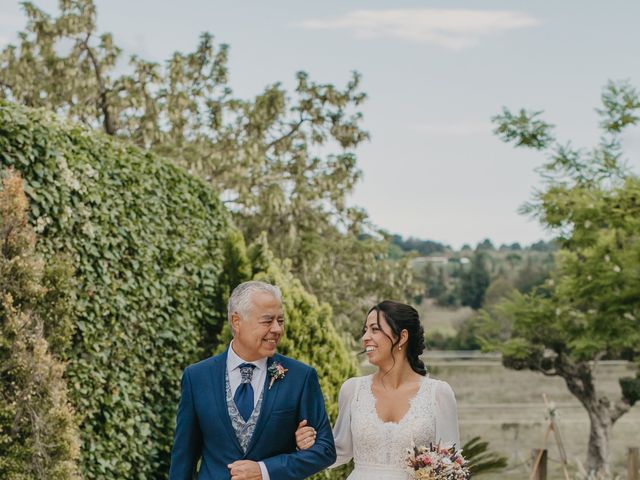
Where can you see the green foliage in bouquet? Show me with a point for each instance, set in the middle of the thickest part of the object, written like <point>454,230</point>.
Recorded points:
<point>147,243</point>
<point>309,333</point>
<point>38,432</point>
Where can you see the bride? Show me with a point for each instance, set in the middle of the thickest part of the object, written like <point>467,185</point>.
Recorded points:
<point>381,415</point>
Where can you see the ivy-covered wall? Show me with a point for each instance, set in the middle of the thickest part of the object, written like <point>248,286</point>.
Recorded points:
<point>146,241</point>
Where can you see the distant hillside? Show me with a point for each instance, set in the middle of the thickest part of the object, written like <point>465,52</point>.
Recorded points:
<point>456,284</point>
<point>422,247</point>
<point>430,247</point>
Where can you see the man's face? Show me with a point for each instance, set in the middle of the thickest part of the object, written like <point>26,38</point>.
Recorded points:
<point>257,333</point>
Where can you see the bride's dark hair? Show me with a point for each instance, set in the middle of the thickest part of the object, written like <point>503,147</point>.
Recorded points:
<point>401,316</point>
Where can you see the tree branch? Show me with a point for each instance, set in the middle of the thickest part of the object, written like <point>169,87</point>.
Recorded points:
<point>579,379</point>
<point>293,130</point>
<point>619,408</point>
<point>107,121</point>
<point>198,76</point>
<point>599,356</point>
<point>548,373</point>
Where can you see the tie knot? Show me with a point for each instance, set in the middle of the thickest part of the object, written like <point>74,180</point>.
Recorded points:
<point>246,371</point>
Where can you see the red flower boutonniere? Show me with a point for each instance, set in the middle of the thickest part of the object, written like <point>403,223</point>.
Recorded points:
<point>276,372</point>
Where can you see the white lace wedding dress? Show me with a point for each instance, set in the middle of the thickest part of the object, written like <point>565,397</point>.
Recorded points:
<point>378,448</point>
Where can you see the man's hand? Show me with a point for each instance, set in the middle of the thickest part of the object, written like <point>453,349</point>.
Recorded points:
<point>245,470</point>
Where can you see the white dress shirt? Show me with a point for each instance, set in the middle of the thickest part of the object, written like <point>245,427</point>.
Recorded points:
<point>257,382</point>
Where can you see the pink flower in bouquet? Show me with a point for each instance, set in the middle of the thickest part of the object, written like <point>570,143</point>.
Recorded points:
<point>436,462</point>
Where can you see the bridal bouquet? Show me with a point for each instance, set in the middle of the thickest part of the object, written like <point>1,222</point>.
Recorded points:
<point>436,462</point>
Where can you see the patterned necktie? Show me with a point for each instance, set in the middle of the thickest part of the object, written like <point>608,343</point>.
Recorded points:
<point>244,393</point>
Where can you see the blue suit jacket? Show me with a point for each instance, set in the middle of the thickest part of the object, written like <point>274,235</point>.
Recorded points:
<point>204,430</point>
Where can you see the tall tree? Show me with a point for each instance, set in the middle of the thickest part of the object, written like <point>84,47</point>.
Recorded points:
<point>266,156</point>
<point>588,310</point>
<point>475,281</point>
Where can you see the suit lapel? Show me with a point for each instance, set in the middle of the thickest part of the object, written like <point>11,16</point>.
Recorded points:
<point>219,393</point>
<point>269,397</point>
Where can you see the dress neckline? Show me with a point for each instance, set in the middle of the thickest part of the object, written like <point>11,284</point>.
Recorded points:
<point>412,400</point>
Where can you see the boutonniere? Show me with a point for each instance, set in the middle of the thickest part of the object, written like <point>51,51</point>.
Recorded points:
<point>276,372</point>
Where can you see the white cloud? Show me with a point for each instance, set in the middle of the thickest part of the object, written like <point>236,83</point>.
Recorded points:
<point>454,129</point>
<point>449,28</point>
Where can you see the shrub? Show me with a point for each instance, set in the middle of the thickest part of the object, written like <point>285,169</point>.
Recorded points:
<point>38,434</point>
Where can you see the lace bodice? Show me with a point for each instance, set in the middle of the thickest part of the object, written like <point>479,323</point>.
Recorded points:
<point>361,434</point>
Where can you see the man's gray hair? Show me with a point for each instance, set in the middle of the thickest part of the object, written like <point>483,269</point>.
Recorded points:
<point>240,298</point>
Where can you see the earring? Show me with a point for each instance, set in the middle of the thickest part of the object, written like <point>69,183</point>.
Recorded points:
<point>399,348</point>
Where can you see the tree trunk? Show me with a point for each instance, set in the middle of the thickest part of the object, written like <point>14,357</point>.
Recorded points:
<point>579,379</point>
<point>602,413</point>
<point>598,449</point>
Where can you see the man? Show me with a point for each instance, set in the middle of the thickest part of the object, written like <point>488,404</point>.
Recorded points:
<point>239,410</point>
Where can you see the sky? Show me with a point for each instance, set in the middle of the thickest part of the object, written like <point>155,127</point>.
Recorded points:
<point>435,72</point>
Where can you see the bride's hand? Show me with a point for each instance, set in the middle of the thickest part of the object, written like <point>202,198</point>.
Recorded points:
<point>305,436</point>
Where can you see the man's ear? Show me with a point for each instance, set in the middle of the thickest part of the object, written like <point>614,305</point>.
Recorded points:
<point>235,322</point>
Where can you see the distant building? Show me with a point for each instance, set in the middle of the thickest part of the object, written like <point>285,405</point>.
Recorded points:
<point>420,262</point>
<point>436,259</point>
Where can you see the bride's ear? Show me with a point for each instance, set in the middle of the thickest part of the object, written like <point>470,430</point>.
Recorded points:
<point>404,339</point>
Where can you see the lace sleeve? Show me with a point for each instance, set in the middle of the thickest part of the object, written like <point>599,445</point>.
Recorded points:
<point>342,428</point>
<point>446,415</point>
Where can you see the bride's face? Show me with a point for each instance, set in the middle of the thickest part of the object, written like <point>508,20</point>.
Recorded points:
<point>377,339</point>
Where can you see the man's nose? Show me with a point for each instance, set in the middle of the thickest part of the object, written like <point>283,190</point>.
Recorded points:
<point>276,327</point>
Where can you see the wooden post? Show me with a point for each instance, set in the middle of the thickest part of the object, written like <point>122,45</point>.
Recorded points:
<point>556,431</point>
<point>539,469</point>
<point>633,463</point>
